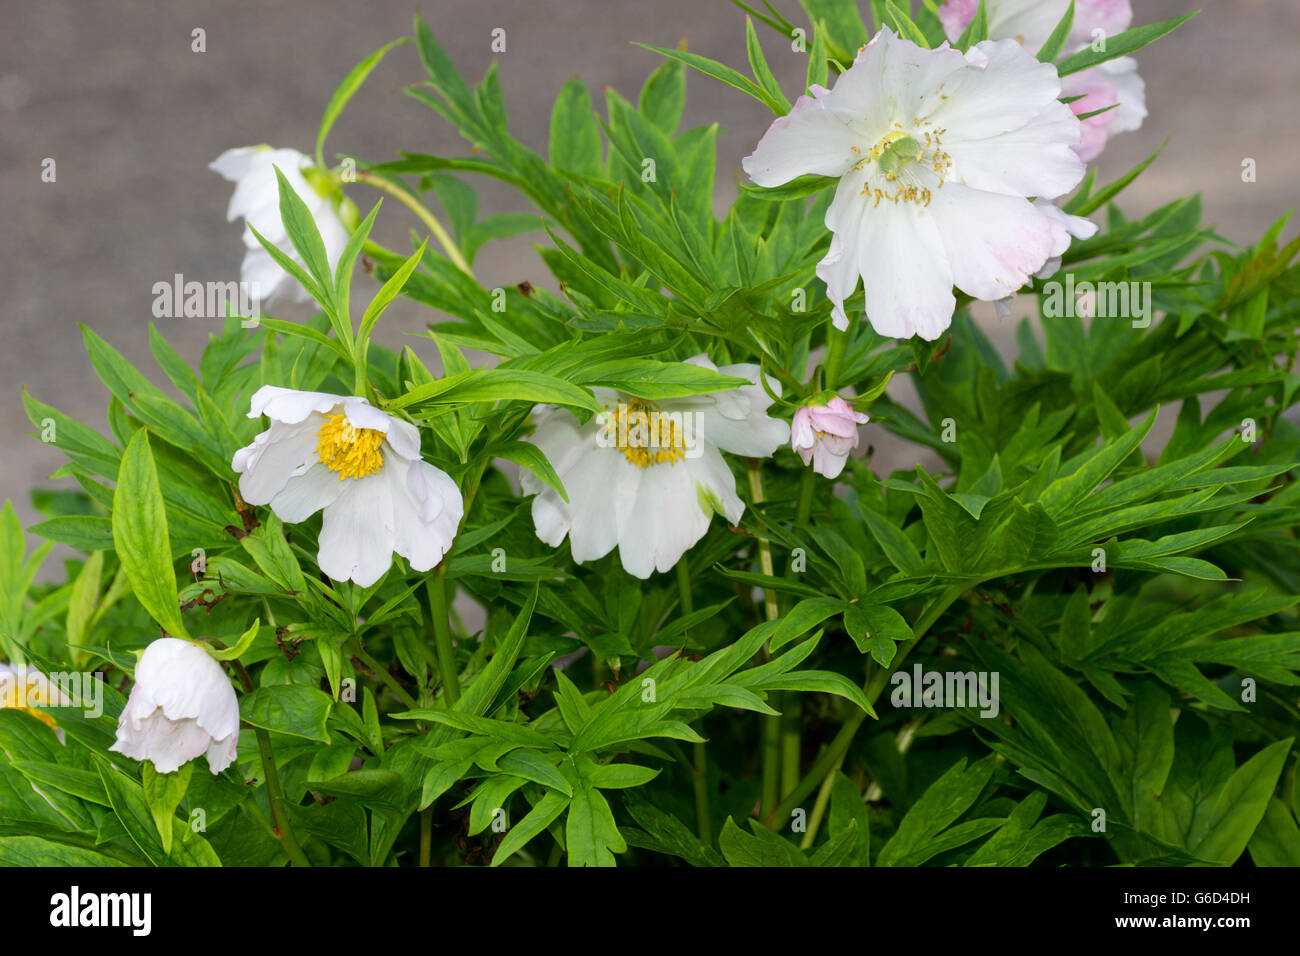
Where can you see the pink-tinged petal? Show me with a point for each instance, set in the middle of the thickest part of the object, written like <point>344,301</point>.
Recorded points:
<point>1112,17</point>
<point>956,16</point>
<point>802,432</point>
<point>995,243</point>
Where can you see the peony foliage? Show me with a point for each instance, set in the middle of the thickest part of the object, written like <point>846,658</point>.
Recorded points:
<point>598,569</point>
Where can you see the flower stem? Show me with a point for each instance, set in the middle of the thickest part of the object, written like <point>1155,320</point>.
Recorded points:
<point>274,795</point>
<point>431,223</point>
<point>437,587</point>
<point>381,672</point>
<point>426,835</point>
<point>770,788</point>
<point>819,807</point>
<point>837,342</point>
<point>873,687</point>
<point>703,825</point>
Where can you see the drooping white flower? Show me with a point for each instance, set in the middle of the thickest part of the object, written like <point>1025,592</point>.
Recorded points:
<point>181,707</point>
<point>937,155</point>
<point>826,434</point>
<point>27,689</point>
<point>1031,22</point>
<point>257,200</point>
<point>647,477</point>
<point>363,468</point>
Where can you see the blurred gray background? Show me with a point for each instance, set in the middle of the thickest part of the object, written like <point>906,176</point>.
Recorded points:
<point>113,92</point>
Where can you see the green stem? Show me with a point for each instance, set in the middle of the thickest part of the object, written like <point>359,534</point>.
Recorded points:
<point>873,688</point>
<point>791,742</point>
<point>764,546</point>
<point>837,343</point>
<point>437,587</point>
<point>431,223</point>
<point>381,672</point>
<point>770,790</point>
<point>274,795</point>
<point>819,808</point>
<point>426,835</point>
<point>703,826</point>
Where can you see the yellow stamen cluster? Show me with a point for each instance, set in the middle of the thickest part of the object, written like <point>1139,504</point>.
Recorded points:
<point>352,452</point>
<point>644,435</point>
<point>19,699</point>
<point>895,152</point>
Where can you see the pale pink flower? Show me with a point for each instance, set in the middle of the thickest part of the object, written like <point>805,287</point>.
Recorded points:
<point>826,434</point>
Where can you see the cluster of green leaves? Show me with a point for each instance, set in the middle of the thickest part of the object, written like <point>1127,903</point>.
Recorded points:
<point>1140,614</point>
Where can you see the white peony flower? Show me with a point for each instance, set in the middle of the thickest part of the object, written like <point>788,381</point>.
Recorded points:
<point>1031,22</point>
<point>257,200</point>
<point>181,707</point>
<point>648,476</point>
<point>363,467</point>
<point>826,434</point>
<point>937,154</point>
<point>27,689</point>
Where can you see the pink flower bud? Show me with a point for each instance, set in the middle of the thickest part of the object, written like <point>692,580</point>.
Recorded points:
<point>826,434</point>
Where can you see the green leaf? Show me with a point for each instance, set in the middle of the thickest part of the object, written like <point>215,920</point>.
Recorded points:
<point>1056,42</point>
<point>386,294</point>
<point>164,792</point>
<point>292,709</point>
<point>31,851</point>
<point>140,535</point>
<point>763,848</point>
<point>1276,841</point>
<point>351,83</point>
<point>663,97</point>
<point>762,72</point>
<point>498,384</point>
<point>1242,804</point>
<point>244,643</point>
<point>977,31</point>
<point>723,74</point>
<point>542,815</point>
<point>904,25</point>
<point>304,235</point>
<point>531,457</point>
<point>1125,43</point>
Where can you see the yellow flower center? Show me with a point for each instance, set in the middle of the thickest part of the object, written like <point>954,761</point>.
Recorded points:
<point>12,696</point>
<point>645,435</point>
<point>898,150</point>
<point>352,452</point>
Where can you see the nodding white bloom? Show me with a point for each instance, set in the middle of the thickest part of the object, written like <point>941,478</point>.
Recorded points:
<point>826,434</point>
<point>647,477</point>
<point>181,707</point>
<point>363,468</point>
<point>1031,22</point>
<point>27,689</point>
<point>257,200</point>
<point>937,154</point>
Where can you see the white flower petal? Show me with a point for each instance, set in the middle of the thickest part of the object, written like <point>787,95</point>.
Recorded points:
<point>907,281</point>
<point>995,243</point>
<point>1037,159</point>
<point>357,532</point>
